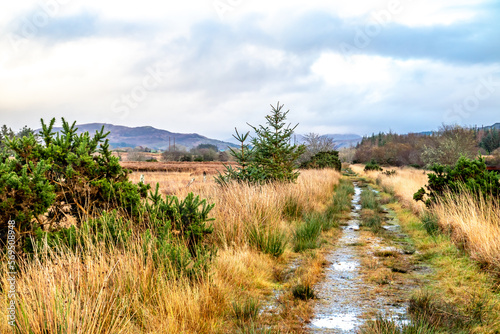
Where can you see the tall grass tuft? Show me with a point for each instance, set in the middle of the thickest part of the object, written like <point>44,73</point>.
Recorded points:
<point>303,291</point>
<point>245,310</point>
<point>386,326</point>
<point>474,224</point>
<point>430,222</point>
<point>369,200</point>
<point>341,201</point>
<point>268,240</point>
<point>371,216</point>
<point>373,221</point>
<point>292,208</point>
<point>307,233</point>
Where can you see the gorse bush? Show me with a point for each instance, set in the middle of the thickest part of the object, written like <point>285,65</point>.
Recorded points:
<point>272,157</point>
<point>174,235</point>
<point>466,174</point>
<point>187,218</point>
<point>65,175</point>
<point>70,175</point>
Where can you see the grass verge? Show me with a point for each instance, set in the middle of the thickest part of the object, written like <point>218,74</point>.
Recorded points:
<point>458,295</point>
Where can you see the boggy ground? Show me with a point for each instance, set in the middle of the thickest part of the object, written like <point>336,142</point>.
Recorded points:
<point>371,272</point>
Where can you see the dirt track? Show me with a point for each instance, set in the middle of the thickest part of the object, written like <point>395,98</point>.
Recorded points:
<point>368,275</point>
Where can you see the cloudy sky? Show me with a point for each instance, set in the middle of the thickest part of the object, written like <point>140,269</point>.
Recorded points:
<point>207,66</point>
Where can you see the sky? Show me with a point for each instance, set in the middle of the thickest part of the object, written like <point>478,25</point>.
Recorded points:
<point>208,66</point>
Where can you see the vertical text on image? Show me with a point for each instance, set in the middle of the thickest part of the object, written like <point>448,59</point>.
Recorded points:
<point>11,274</point>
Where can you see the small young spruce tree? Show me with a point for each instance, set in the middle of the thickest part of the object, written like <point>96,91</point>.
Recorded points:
<point>272,158</point>
<point>274,153</point>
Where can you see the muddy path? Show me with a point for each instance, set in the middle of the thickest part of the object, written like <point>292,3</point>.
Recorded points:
<point>367,274</point>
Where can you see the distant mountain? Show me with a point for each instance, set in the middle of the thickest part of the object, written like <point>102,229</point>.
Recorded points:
<point>147,136</point>
<point>340,140</point>
<point>494,126</point>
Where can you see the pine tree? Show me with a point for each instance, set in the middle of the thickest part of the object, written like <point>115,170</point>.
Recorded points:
<point>272,157</point>
<point>274,153</point>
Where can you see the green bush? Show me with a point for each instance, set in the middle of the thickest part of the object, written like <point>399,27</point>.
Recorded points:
<point>187,218</point>
<point>66,174</point>
<point>466,174</point>
<point>25,193</point>
<point>372,165</point>
<point>328,159</point>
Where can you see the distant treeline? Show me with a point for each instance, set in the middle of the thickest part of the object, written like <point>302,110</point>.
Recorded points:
<point>444,146</point>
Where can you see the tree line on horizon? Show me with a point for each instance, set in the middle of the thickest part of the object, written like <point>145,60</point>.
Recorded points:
<point>444,146</point>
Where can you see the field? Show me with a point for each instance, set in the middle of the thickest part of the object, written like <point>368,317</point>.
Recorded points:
<point>210,167</point>
<point>122,289</point>
<point>271,244</point>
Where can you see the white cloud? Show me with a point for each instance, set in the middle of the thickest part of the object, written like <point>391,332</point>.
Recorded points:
<point>359,70</point>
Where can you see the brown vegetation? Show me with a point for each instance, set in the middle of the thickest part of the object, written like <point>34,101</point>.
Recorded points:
<point>210,167</point>
<point>444,147</point>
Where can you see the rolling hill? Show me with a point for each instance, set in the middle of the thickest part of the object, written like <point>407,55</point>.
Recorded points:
<point>148,136</point>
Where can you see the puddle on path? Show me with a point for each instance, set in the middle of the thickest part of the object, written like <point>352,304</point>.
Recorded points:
<point>343,296</point>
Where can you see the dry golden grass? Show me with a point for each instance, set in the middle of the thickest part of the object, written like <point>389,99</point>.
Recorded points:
<point>403,184</point>
<point>210,167</point>
<point>105,291</point>
<point>238,206</point>
<point>122,291</point>
<point>475,224</point>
